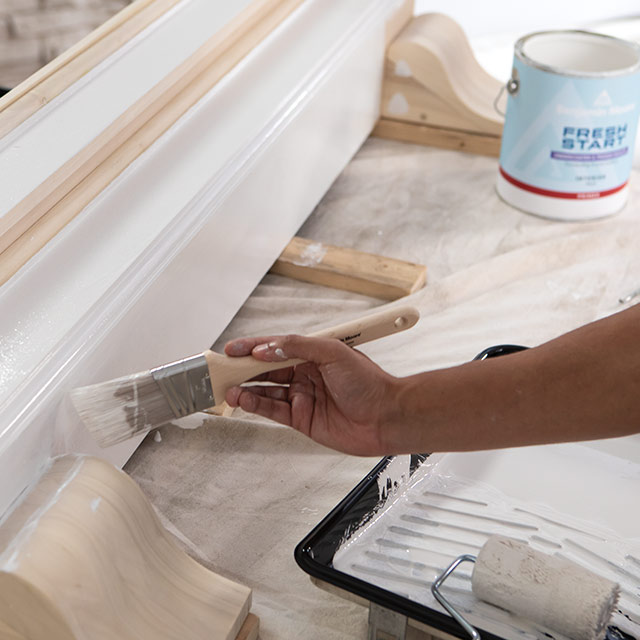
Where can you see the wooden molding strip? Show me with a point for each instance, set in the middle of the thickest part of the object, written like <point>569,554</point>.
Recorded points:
<point>439,137</point>
<point>348,269</point>
<point>50,81</point>
<point>38,217</point>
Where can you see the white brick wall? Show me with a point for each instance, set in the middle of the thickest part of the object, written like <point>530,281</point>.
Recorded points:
<point>33,32</point>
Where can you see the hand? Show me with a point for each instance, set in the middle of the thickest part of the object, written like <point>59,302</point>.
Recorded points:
<point>339,397</point>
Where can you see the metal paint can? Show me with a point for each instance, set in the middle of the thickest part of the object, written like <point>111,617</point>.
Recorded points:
<point>570,126</point>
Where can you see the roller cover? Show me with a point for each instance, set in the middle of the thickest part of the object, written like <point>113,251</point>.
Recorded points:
<point>547,590</point>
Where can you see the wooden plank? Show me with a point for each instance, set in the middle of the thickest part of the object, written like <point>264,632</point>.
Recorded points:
<point>467,141</point>
<point>348,269</point>
<point>50,81</point>
<point>250,628</point>
<point>77,182</point>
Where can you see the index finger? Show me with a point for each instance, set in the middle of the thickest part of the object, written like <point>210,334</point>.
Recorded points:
<point>244,346</point>
<point>241,347</point>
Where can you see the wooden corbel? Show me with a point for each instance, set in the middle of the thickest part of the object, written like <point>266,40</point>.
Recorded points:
<point>84,555</point>
<point>436,93</point>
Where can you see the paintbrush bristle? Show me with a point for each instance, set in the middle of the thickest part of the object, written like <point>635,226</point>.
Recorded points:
<point>119,409</point>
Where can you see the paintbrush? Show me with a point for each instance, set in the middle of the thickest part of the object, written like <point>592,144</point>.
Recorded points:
<point>119,409</point>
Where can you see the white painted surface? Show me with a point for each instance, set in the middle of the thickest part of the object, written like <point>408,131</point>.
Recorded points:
<point>158,264</point>
<point>36,149</point>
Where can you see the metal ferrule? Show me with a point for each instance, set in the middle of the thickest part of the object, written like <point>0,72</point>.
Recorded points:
<point>186,385</point>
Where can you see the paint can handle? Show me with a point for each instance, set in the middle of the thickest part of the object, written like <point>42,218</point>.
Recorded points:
<point>512,86</point>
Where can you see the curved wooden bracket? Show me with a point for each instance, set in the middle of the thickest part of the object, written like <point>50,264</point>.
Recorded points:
<point>84,556</point>
<point>433,80</point>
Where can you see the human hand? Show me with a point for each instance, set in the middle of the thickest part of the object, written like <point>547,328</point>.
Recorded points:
<point>339,397</point>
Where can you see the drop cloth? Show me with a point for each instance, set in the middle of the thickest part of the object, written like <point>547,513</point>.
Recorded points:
<point>240,492</point>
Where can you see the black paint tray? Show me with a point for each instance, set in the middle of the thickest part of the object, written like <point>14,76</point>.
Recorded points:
<point>314,554</point>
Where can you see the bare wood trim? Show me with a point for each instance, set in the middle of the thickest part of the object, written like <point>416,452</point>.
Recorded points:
<point>50,81</point>
<point>439,137</point>
<point>39,601</point>
<point>63,195</point>
<point>399,21</point>
<point>222,409</point>
<point>348,269</point>
<point>250,628</point>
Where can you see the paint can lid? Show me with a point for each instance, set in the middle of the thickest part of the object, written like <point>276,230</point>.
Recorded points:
<point>578,53</point>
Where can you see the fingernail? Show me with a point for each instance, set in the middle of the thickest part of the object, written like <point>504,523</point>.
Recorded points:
<point>232,396</point>
<point>270,351</point>
<point>236,349</point>
<point>248,402</point>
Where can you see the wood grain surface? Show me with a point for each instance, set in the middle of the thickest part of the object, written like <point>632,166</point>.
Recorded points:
<point>85,556</point>
<point>440,137</point>
<point>348,269</point>
<point>432,79</point>
<point>50,81</point>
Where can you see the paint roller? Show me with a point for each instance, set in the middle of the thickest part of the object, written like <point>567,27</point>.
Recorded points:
<point>546,590</point>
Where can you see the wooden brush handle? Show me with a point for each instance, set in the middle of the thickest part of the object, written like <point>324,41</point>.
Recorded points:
<point>227,372</point>
<point>371,327</point>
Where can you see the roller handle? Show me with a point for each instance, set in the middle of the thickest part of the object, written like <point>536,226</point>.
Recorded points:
<point>227,372</point>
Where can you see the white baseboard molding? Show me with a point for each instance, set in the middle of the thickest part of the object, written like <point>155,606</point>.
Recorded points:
<point>158,264</point>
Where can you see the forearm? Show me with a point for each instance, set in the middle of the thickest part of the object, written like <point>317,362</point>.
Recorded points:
<point>583,385</point>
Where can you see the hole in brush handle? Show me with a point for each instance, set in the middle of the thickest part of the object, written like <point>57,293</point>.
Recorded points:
<point>401,322</point>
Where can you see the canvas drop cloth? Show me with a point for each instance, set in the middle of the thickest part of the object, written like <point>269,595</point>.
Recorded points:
<point>240,492</point>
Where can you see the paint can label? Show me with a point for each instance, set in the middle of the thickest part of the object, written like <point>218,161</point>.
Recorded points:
<point>569,136</point>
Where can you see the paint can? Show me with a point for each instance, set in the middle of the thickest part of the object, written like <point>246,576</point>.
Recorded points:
<point>569,132</point>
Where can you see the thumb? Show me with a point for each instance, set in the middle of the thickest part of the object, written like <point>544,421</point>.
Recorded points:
<point>318,350</point>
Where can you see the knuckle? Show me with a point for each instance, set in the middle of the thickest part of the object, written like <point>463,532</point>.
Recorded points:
<point>288,341</point>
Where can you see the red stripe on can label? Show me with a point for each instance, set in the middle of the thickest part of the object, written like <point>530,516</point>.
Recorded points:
<point>585,195</point>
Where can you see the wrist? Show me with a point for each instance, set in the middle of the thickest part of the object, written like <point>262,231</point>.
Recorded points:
<point>394,427</point>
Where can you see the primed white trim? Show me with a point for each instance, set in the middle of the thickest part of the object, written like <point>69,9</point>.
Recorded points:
<point>159,263</point>
<point>57,132</point>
